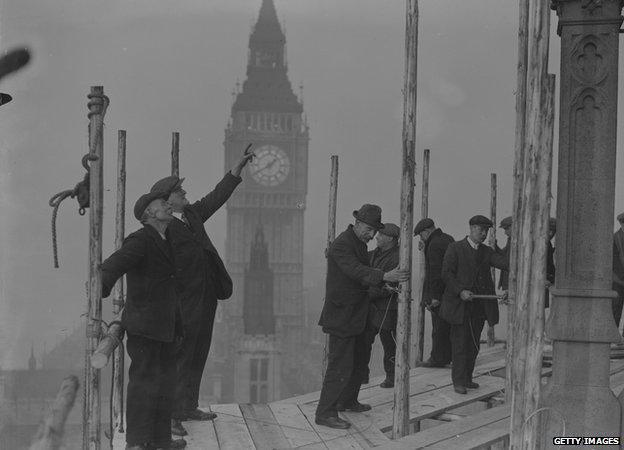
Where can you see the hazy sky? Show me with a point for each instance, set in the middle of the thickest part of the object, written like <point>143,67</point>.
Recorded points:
<point>171,66</point>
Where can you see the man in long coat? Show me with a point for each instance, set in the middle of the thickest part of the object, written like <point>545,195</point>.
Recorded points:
<point>466,272</point>
<point>382,318</point>
<point>203,279</point>
<point>435,244</point>
<point>344,316</point>
<point>618,270</point>
<point>152,321</point>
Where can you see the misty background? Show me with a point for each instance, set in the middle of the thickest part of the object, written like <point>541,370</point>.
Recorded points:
<point>172,66</point>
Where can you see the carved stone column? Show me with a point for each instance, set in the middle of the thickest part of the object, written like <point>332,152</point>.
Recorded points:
<point>581,323</point>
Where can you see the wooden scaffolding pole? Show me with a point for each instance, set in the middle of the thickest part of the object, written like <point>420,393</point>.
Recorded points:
<point>418,283</point>
<point>521,85</point>
<point>400,425</point>
<point>491,334</point>
<point>175,153</point>
<point>331,227</point>
<point>98,103</point>
<point>118,290</point>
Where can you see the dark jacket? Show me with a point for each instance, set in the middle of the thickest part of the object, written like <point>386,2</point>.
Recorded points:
<point>383,304</point>
<point>435,248</point>
<point>503,281</point>
<point>152,298</point>
<point>465,268</point>
<point>346,287</point>
<point>618,258</point>
<point>200,270</point>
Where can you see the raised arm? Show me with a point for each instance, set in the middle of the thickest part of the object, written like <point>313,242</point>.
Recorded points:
<point>209,205</point>
<point>116,265</point>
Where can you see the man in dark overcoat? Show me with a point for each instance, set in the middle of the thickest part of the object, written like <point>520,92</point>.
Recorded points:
<point>382,318</point>
<point>151,318</point>
<point>466,272</point>
<point>345,313</point>
<point>435,244</point>
<point>203,279</point>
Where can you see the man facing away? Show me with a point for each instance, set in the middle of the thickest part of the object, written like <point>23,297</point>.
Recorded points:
<point>152,322</point>
<point>382,317</point>
<point>435,243</point>
<point>344,316</point>
<point>618,270</point>
<point>466,272</point>
<point>203,279</point>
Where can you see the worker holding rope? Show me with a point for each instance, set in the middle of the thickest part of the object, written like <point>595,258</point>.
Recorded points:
<point>152,321</point>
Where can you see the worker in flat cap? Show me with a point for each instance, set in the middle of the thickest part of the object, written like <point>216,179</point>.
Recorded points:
<point>505,224</point>
<point>618,270</point>
<point>435,242</point>
<point>203,279</point>
<point>382,316</point>
<point>152,321</point>
<point>345,313</point>
<point>466,271</point>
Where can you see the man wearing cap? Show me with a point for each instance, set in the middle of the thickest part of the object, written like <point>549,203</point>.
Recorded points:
<point>382,316</point>
<point>503,281</point>
<point>152,321</point>
<point>345,313</point>
<point>435,243</point>
<point>466,272</point>
<point>203,279</point>
<point>618,270</point>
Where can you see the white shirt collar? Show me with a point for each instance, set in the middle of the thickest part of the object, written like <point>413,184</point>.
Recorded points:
<point>472,243</point>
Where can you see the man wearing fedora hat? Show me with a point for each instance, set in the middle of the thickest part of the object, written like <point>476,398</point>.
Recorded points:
<point>382,317</point>
<point>152,321</point>
<point>618,270</point>
<point>466,272</point>
<point>345,313</point>
<point>435,244</point>
<point>203,279</point>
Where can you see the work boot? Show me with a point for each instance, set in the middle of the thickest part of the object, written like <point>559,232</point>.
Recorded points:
<point>460,389</point>
<point>177,429</point>
<point>332,422</point>
<point>388,382</point>
<point>171,445</point>
<point>472,385</point>
<point>198,414</point>
<point>354,407</point>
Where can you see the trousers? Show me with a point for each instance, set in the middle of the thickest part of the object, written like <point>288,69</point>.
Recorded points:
<point>151,380</point>
<point>347,367</point>
<point>465,345</point>
<point>440,339</point>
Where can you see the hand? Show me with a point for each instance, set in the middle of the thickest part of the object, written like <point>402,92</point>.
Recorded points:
<point>421,245</point>
<point>466,295</point>
<point>548,284</point>
<point>435,303</point>
<point>396,275</point>
<point>505,299</point>
<point>238,168</point>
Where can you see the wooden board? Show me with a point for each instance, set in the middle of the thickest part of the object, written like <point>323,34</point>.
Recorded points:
<point>232,432</point>
<point>264,429</point>
<point>334,439</point>
<point>201,434</point>
<point>364,430</point>
<point>296,427</point>
<point>475,439</point>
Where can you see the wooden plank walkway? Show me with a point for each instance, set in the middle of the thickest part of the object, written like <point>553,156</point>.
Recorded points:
<point>289,423</point>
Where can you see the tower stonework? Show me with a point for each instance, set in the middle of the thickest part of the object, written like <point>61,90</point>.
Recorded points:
<point>268,114</point>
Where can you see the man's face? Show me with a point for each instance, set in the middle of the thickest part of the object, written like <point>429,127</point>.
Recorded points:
<point>507,231</point>
<point>478,233</point>
<point>383,241</point>
<point>160,210</point>
<point>363,231</point>
<point>424,234</point>
<point>178,200</point>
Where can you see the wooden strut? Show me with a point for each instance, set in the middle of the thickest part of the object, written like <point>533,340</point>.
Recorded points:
<point>175,153</point>
<point>52,430</point>
<point>400,422</point>
<point>491,334</point>
<point>92,401</point>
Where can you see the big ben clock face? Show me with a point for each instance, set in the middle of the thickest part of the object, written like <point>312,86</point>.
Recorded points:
<point>271,165</point>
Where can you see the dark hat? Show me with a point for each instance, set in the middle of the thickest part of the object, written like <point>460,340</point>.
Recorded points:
<point>423,225</point>
<point>390,229</point>
<point>506,222</point>
<point>144,200</point>
<point>620,217</point>
<point>552,224</point>
<point>480,220</point>
<point>370,215</point>
<point>167,184</point>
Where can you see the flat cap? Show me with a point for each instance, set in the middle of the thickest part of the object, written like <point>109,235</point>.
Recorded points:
<point>390,229</point>
<point>506,222</point>
<point>552,224</point>
<point>144,201</point>
<point>480,220</point>
<point>167,184</point>
<point>422,225</point>
<point>620,217</point>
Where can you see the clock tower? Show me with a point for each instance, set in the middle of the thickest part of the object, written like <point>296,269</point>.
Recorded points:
<point>267,114</point>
